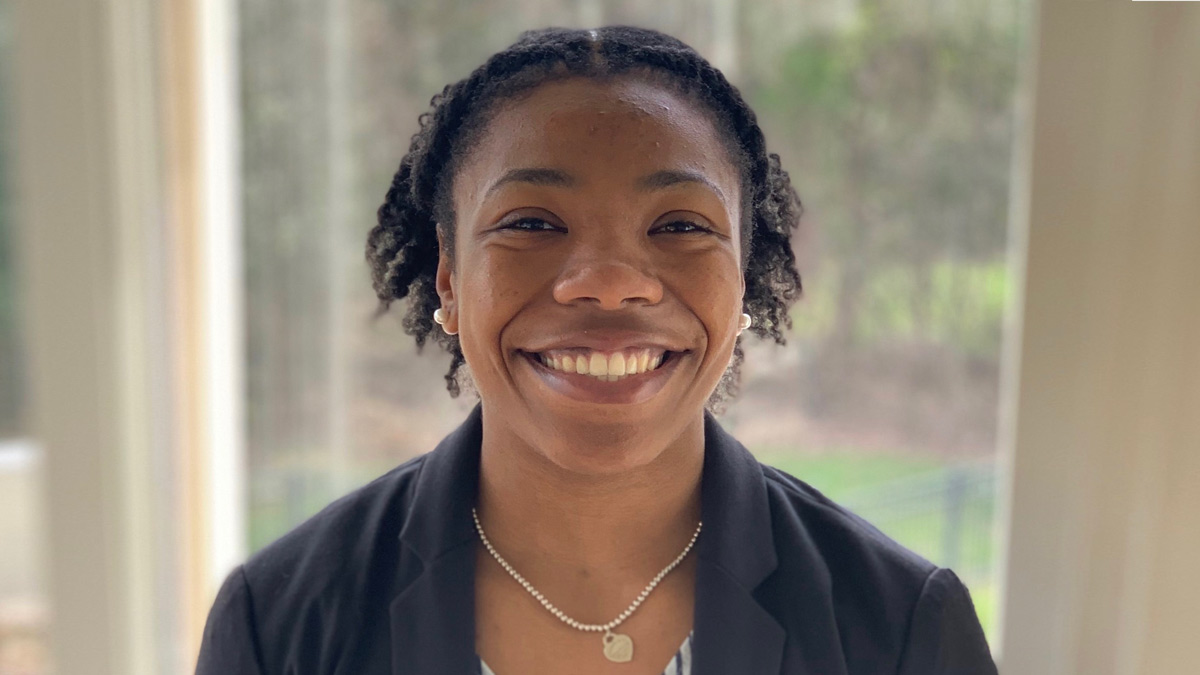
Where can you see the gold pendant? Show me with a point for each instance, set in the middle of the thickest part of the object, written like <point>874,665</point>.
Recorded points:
<point>618,647</point>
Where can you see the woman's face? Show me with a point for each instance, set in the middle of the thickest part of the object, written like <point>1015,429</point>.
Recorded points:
<point>597,224</point>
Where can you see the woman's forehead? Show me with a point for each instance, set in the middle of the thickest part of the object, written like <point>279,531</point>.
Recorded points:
<point>611,127</point>
<point>616,95</point>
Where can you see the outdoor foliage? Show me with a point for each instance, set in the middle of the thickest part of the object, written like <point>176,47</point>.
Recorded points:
<point>895,121</point>
<point>12,372</point>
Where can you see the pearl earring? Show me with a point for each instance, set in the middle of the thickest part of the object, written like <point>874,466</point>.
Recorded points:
<point>744,323</point>
<point>440,316</point>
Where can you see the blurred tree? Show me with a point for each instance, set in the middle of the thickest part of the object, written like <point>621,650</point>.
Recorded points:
<point>900,130</point>
<point>12,372</point>
<point>285,147</point>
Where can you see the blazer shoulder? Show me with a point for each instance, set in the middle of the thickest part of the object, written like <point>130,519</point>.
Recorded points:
<point>801,510</point>
<point>866,582</point>
<point>870,581</point>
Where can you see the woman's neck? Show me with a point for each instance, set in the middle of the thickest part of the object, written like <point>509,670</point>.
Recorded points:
<point>547,520</point>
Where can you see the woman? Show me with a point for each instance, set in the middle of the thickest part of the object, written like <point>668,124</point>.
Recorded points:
<point>592,219</point>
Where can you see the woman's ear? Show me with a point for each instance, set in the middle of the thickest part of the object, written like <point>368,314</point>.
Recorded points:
<point>445,282</point>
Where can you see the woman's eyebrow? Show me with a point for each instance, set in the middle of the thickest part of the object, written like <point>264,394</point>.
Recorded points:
<point>658,180</point>
<point>669,177</point>
<point>537,176</point>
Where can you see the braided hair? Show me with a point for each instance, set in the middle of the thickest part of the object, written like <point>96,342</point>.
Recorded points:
<point>402,249</point>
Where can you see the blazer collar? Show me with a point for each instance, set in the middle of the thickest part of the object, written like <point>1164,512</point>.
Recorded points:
<point>433,616</point>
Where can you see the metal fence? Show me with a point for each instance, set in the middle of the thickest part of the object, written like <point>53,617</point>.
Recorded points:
<point>947,515</point>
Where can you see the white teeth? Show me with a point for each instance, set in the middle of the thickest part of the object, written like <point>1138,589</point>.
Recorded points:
<point>598,365</point>
<point>609,368</point>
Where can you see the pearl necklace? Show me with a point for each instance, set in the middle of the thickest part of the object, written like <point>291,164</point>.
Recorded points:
<point>618,647</point>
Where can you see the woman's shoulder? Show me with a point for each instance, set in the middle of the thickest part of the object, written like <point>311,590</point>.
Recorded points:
<point>889,604</point>
<point>326,581</point>
<point>854,564</point>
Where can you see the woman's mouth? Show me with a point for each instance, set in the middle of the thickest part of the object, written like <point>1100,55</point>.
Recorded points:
<point>607,366</point>
<point>621,377</point>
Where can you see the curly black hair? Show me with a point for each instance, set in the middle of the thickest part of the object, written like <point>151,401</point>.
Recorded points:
<point>402,249</point>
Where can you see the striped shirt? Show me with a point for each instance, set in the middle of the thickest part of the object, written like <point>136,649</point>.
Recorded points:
<point>681,663</point>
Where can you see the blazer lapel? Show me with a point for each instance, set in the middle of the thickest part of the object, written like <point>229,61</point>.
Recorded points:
<point>433,620</point>
<point>433,615</point>
<point>733,632</point>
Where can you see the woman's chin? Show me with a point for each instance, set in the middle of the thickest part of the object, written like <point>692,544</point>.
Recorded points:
<point>599,462</point>
<point>600,445</point>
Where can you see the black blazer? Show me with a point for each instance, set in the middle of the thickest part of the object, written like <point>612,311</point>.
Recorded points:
<point>382,581</point>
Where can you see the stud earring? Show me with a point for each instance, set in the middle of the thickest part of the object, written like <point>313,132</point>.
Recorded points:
<point>744,323</point>
<point>440,316</point>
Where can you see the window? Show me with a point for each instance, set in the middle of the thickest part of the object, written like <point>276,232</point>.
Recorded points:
<point>895,121</point>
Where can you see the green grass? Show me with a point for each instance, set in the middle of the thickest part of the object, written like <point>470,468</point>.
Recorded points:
<point>842,472</point>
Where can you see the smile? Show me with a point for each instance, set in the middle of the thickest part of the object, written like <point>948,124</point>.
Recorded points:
<point>603,366</point>
<point>624,377</point>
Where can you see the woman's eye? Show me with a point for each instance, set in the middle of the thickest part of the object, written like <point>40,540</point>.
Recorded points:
<point>685,223</point>
<point>533,223</point>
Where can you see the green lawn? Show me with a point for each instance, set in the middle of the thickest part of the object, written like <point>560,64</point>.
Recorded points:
<point>842,471</point>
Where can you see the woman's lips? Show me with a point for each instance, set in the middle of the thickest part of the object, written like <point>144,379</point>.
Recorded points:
<point>626,390</point>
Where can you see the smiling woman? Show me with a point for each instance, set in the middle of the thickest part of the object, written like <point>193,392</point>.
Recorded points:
<point>592,220</point>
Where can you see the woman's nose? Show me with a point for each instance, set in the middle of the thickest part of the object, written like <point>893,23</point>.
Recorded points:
<point>608,279</point>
